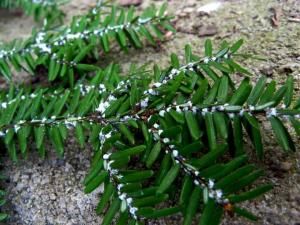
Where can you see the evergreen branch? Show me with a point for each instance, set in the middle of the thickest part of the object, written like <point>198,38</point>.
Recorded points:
<point>67,109</point>
<point>115,176</point>
<point>166,180</point>
<point>181,120</point>
<point>62,51</point>
<point>40,9</point>
<point>222,109</point>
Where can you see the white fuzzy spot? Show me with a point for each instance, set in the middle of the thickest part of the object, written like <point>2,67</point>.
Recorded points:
<point>242,112</point>
<point>178,109</point>
<point>166,140</point>
<point>122,196</point>
<point>157,85</point>
<point>175,153</point>
<point>16,128</point>
<point>102,107</point>
<point>120,186</point>
<point>219,194</point>
<point>251,108</point>
<point>33,95</point>
<point>133,210</point>
<point>231,115</point>
<point>4,105</point>
<point>271,112</point>
<point>129,200</point>
<point>144,103</point>
<point>211,183</point>
<point>162,113</point>
<point>106,156</point>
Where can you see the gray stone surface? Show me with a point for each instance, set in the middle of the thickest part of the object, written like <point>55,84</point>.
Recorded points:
<point>51,191</point>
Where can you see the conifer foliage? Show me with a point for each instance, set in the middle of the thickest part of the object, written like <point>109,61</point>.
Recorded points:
<point>62,52</point>
<point>48,10</point>
<point>167,142</point>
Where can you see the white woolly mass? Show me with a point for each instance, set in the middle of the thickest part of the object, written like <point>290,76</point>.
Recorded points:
<point>211,183</point>
<point>44,48</point>
<point>40,37</point>
<point>166,140</point>
<point>231,115</point>
<point>122,196</point>
<point>106,156</point>
<point>133,211</point>
<point>204,111</point>
<point>206,60</point>
<point>144,20</point>
<point>4,105</point>
<point>129,200</point>
<point>157,85</point>
<point>144,103</point>
<point>156,126</point>
<point>271,112</point>
<point>120,186</point>
<point>33,95</point>
<point>17,128</point>
<point>102,106</point>
<point>251,107</point>
<point>241,113</point>
<point>21,122</point>
<point>175,153</point>
<point>70,124</point>
<point>152,92</point>
<point>162,113</point>
<point>219,194</point>
<point>108,135</point>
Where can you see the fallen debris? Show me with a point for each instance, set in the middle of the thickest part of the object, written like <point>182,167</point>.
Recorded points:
<point>294,19</point>
<point>209,30</point>
<point>276,17</point>
<point>210,7</point>
<point>130,2</point>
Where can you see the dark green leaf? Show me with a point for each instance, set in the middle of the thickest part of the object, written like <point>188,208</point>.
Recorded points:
<point>169,178</point>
